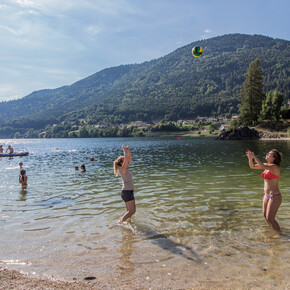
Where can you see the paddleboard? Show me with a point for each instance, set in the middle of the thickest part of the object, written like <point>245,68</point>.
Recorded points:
<point>14,154</point>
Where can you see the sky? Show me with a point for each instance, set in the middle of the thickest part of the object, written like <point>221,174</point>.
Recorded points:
<point>46,44</point>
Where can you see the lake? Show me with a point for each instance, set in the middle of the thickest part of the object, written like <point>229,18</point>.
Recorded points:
<point>199,212</point>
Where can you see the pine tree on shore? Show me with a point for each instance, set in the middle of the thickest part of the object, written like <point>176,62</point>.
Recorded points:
<point>252,94</point>
<point>271,107</point>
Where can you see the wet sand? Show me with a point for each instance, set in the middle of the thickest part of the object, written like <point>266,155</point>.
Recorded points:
<point>11,279</point>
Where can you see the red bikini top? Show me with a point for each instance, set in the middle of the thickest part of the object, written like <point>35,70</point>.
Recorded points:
<point>269,175</point>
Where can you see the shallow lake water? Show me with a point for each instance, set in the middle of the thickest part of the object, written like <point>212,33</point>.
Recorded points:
<point>199,212</point>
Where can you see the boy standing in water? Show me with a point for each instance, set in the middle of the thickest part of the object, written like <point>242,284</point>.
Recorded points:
<point>23,179</point>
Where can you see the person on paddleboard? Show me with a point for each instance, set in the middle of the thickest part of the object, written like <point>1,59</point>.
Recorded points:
<point>10,149</point>
<point>121,166</point>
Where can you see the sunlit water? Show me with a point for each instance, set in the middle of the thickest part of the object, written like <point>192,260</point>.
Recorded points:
<point>198,213</point>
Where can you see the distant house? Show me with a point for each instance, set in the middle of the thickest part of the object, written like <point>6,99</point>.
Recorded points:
<point>201,119</point>
<point>235,117</point>
<point>140,124</point>
<point>224,127</point>
<point>102,126</point>
<point>121,126</point>
<point>223,119</point>
<point>185,122</point>
<point>212,119</point>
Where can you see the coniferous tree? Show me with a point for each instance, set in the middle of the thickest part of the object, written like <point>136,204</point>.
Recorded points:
<point>252,93</point>
<point>271,107</point>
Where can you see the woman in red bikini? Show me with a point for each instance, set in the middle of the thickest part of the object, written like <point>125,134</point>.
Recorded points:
<point>271,176</point>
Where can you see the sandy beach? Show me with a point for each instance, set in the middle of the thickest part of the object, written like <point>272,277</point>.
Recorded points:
<point>11,279</point>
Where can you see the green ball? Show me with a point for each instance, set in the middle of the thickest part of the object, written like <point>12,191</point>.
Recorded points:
<point>197,51</point>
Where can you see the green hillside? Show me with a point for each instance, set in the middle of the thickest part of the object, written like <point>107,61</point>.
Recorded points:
<point>176,86</point>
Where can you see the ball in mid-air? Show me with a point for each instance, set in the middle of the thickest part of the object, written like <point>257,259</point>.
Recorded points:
<point>197,51</point>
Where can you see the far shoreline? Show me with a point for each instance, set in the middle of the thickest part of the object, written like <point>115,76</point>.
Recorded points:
<point>274,139</point>
<point>159,136</point>
<point>166,134</point>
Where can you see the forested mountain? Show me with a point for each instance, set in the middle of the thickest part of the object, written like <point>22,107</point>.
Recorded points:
<point>176,86</point>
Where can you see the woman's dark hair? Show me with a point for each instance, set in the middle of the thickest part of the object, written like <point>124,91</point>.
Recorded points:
<point>22,172</point>
<point>278,157</point>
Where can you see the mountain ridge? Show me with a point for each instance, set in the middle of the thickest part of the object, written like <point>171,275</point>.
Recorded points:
<point>173,86</point>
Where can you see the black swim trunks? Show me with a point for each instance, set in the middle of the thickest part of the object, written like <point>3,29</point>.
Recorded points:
<point>127,195</point>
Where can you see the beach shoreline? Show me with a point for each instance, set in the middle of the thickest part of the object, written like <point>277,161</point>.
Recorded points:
<point>13,279</point>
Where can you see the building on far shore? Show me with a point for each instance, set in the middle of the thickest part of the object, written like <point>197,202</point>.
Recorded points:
<point>224,127</point>
<point>185,122</point>
<point>140,124</point>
